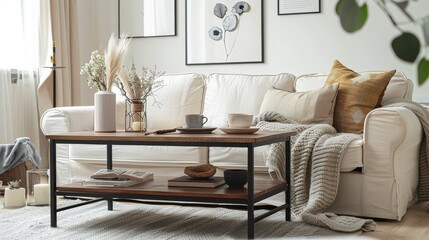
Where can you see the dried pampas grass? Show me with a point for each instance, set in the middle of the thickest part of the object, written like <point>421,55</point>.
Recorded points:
<point>127,85</point>
<point>114,57</point>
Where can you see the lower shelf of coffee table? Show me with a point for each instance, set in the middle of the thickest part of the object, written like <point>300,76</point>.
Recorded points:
<point>158,189</point>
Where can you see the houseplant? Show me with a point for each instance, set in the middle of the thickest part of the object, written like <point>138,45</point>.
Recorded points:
<point>137,88</point>
<point>101,72</point>
<point>407,46</point>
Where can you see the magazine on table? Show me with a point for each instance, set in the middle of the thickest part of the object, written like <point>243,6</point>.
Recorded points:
<point>114,182</point>
<point>117,178</point>
<point>122,173</point>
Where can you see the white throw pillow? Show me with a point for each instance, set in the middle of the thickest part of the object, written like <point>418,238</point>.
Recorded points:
<point>312,107</point>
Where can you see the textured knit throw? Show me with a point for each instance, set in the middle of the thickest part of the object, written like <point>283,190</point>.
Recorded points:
<point>316,155</point>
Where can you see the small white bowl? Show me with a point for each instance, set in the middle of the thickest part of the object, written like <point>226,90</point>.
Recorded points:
<point>239,120</point>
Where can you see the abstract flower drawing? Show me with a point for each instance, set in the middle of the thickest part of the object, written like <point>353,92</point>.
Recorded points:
<point>231,23</point>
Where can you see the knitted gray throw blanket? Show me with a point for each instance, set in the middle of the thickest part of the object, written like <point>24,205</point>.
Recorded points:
<point>315,170</point>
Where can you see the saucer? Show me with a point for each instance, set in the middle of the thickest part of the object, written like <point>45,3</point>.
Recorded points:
<point>196,130</point>
<point>239,130</point>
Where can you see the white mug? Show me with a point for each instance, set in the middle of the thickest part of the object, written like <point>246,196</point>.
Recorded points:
<point>239,120</point>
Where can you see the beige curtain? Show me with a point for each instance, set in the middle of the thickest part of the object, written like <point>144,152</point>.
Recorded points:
<point>65,33</point>
<point>64,28</point>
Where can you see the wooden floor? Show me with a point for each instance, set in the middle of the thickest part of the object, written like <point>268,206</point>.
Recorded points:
<point>414,225</point>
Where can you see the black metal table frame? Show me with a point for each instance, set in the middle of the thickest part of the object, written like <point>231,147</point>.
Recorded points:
<point>250,202</point>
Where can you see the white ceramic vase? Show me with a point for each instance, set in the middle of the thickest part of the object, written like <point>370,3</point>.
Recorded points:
<point>105,111</point>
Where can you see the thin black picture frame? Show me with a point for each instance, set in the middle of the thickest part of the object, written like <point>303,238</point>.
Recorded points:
<point>151,36</point>
<point>296,13</point>
<point>218,63</point>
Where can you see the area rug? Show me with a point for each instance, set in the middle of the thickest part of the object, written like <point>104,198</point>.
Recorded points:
<point>148,221</point>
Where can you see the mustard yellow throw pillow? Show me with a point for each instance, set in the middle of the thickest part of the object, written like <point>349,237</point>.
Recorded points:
<point>358,94</point>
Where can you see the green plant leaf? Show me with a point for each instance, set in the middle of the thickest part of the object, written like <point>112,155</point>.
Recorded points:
<point>406,47</point>
<point>352,16</point>
<point>423,71</point>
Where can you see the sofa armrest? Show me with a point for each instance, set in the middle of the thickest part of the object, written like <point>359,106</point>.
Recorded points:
<point>392,138</point>
<point>67,119</point>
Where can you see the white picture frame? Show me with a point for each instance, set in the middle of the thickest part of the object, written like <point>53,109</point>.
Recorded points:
<point>290,7</point>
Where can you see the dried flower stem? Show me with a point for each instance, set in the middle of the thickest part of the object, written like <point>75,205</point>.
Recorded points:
<point>114,57</point>
<point>137,88</point>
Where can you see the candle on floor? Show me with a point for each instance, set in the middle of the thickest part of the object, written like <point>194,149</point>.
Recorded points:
<point>138,126</point>
<point>14,197</point>
<point>41,194</point>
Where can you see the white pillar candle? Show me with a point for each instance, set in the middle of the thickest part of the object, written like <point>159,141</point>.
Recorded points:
<point>138,126</point>
<point>41,194</point>
<point>14,197</point>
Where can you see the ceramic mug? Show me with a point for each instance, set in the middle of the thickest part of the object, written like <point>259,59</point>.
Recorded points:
<point>239,120</point>
<point>195,120</point>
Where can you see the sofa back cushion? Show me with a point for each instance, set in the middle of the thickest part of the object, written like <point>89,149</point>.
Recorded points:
<point>399,86</point>
<point>182,94</point>
<point>312,107</point>
<point>239,93</point>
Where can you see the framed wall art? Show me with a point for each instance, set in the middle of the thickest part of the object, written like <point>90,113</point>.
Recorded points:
<point>288,7</point>
<point>223,32</point>
<point>147,18</point>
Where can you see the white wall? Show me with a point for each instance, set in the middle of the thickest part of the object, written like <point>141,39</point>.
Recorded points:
<point>296,44</point>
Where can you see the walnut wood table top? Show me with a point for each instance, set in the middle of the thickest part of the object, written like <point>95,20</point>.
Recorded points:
<point>217,136</point>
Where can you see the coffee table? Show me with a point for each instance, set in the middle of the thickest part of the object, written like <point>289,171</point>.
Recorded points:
<point>158,189</point>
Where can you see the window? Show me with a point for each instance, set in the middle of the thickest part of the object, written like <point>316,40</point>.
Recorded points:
<point>19,24</point>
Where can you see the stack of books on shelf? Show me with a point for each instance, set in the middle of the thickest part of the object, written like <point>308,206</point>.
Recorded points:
<point>186,181</point>
<point>117,178</point>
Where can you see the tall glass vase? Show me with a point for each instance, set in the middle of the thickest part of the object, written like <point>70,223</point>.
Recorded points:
<point>135,116</point>
<point>105,111</point>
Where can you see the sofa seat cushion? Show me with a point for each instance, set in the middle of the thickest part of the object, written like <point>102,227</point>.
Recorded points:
<point>353,156</point>
<point>227,158</point>
<point>163,156</point>
<point>239,93</point>
<point>237,157</point>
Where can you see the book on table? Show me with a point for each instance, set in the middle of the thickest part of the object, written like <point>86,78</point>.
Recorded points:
<point>121,173</point>
<point>117,178</point>
<point>113,182</point>
<point>186,181</point>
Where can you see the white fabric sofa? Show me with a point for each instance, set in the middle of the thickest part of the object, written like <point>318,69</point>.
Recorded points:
<point>379,172</point>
